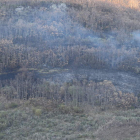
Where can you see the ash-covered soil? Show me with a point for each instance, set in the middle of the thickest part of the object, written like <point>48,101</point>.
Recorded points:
<point>123,81</point>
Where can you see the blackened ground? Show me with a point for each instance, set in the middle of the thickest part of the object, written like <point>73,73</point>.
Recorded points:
<point>124,81</point>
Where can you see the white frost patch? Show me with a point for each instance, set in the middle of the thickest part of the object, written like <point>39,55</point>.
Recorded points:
<point>136,35</point>
<point>19,9</point>
<point>61,7</point>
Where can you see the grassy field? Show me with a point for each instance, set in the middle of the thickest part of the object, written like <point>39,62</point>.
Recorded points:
<point>28,120</point>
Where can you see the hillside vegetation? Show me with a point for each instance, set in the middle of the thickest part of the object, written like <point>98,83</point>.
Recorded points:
<point>36,119</point>
<point>111,38</point>
<point>42,38</point>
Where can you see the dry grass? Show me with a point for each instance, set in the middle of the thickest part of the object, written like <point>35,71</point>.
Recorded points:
<point>120,130</point>
<point>29,120</point>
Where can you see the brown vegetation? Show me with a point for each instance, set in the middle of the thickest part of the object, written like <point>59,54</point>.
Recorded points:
<point>77,93</point>
<point>18,50</point>
<point>33,108</point>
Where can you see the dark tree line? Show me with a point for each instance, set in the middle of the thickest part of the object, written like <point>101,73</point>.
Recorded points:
<point>26,86</point>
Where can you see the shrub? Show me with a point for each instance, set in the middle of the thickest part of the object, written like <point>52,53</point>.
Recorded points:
<point>77,110</point>
<point>2,126</point>
<point>64,109</point>
<point>13,105</point>
<point>1,135</point>
<point>37,112</point>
